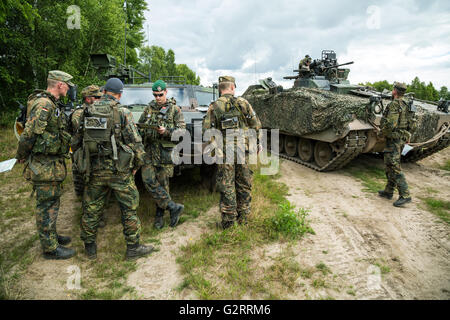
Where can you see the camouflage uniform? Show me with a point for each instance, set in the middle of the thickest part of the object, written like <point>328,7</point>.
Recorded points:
<point>75,122</point>
<point>158,166</point>
<point>234,181</point>
<point>394,125</point>
<point>105,175</point>
<point>45,145</point>
<point>302,66</point>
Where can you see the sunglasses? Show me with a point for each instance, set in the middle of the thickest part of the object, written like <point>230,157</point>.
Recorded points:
<point>158,95</point>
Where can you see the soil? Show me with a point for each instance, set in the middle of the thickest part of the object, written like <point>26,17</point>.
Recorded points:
<point>374,250</point>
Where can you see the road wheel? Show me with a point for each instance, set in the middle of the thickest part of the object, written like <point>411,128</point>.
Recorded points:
<point>305,149</point>
<point>290,145</point>
<point>322,153</point>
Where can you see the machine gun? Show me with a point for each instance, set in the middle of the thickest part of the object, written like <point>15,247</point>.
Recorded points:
<point>443,105</point>
<point>107,67</point>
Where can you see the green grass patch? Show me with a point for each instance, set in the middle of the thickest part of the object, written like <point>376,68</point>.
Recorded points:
<point>372,178</point>
<point>446,166</point>
<point>222,265</point>
<point>440,208</point>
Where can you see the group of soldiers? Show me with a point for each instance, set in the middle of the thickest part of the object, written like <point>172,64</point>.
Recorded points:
<point>108,149</point>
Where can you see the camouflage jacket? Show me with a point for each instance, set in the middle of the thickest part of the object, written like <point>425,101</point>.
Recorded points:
<point>76,117</point>
<point>228,107</point>
<point>45,140</point>
<point>45,132</point>
<point>394,123</point>
<point>159,147</point>
<point>128,138</point>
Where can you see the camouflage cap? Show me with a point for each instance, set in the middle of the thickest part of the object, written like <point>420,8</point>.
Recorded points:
<point>159,86</point>
<point>91,91</point>
<point>225,79</point>
<point>400,87</point>
<point>60,76</point>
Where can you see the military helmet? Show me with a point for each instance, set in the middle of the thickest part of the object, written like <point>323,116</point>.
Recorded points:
<point>226,79</point>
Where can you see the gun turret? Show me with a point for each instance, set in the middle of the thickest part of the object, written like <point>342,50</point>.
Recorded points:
<point>107,67</point>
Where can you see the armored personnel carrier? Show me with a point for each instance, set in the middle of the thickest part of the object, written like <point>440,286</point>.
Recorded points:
<point>325,122</point>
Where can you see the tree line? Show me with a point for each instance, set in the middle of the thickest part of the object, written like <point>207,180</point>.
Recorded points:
<point>421,90</point>
<point>41,35</point>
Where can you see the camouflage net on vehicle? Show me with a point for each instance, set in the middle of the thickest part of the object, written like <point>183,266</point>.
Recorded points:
<point>303,111</point>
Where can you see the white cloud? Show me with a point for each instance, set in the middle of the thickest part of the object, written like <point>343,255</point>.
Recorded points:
<point>253,39</point>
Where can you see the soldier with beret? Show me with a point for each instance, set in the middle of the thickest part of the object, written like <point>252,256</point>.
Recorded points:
<point>234,180</point>
<point>112,153</point>
<point>158,121</point>
<point>44,145</point>
<point>397,125</point>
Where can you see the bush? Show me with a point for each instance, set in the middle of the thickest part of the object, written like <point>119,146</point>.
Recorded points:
<point>7,118</point>
<point>288,223</point>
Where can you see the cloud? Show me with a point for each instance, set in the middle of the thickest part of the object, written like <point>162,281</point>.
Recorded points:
<point>392,40</point>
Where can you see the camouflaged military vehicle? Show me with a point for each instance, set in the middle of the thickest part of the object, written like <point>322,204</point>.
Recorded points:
<point>325,121</point>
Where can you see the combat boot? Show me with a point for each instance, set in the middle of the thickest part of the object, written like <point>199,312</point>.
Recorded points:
<point>159,219</point>
<point>137,250</point>
<point>401,201</point>
<point>61,253</point>
<point>91,250</point>
<point>62,240</point>
<point>385,194</point>
<point>227,224</point>
<point>242,219</point>
<point>175,211</point>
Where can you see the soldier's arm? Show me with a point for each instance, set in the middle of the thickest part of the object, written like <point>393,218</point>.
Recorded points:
<point>143,117</point>
<point>39,114</point>
<point>132,137</point>
<point>209,121</point>
<point>76,119</point>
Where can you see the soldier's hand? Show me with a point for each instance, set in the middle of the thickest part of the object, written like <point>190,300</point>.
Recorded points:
<point>161,130</point>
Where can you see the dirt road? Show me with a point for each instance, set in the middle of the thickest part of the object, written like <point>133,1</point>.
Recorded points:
<point>374,250</point>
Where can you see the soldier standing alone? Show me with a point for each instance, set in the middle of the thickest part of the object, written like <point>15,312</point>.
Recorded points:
<point>234,180</point>
<point>158,121</point>
<point>113,150</point>
<point>44,144</point>
<point>397,125</point>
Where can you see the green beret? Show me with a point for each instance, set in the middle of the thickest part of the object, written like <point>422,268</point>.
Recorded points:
<point>400,87</point>
<point>159,86</point>
<point>60,76</point>
<point>225,79</point>
<point>91,91</point>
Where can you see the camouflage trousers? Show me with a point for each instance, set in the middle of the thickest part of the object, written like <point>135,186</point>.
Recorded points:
<point>156,181</point>
<point>234,181</point>
<point>47,207</point>
<point>124,189</point>
<point>394,174</point>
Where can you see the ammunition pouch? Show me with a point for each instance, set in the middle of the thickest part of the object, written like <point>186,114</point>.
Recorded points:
<point>65,142</point>
<point>229,122</point>
<point>166,152</point>
<point>48,143</point>
<point>125,159</point>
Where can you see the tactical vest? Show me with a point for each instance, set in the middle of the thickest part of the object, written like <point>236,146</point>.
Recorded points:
<point>402,123</point>
<point>55,139</point>
<point>230,115</point>
<point>163,117</point>
<point>101,129</point>
<point>102,138</point>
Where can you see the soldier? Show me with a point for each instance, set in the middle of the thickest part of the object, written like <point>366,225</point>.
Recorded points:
<point>158,121</point>
<point>89,95</point>
<point>114,152</point>
<point>304,65</point>
<point>234,180</point>
<point>44,144</point>
<point>396,125</point>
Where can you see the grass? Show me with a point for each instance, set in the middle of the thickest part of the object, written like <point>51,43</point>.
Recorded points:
<point>224,264</point>
<point>372,178</point>
<point>446,166</point>
<point>440,208</point>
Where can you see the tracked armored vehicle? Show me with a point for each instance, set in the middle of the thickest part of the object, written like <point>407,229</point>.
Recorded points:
<point>325,122</point>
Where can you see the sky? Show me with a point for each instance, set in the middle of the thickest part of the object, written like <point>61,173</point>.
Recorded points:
<point>394,40</point>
